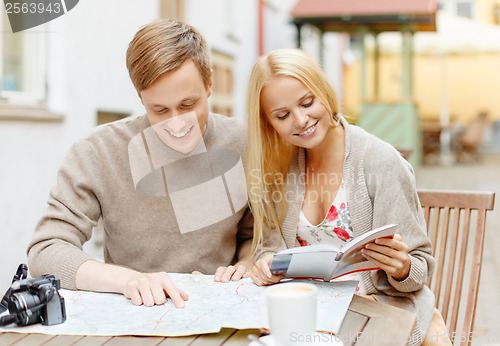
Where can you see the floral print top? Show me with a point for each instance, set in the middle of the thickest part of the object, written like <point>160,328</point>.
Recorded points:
<point>334,229</point>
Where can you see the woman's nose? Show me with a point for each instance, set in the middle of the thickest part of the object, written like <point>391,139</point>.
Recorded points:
<point>301,118</point>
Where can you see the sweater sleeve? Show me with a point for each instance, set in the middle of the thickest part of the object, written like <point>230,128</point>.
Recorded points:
<point>392,187</point>
<point>67,223</point>
<point>245,228</point>
<point>271,243</point>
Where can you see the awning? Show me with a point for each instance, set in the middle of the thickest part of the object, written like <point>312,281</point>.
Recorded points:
<point>375,15</point>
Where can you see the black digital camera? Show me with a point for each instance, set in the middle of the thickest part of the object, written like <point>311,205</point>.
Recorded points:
<point>31,301</point>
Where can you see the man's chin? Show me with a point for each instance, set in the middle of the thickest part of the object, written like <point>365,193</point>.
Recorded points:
<point>183,148</point>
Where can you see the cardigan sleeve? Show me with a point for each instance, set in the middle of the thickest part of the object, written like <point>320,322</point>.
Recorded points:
<point>67,223</point>
<point>272,242</point>
<point>392,188</point>
<point>245,228</point>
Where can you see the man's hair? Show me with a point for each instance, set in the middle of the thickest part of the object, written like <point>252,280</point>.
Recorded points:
<point>163,46</point>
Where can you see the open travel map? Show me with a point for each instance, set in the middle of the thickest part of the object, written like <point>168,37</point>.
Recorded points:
<point>211,306</point>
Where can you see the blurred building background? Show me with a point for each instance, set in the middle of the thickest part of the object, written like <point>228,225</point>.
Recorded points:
<point>460,58</point>
<point>456,73</point>
<point>59,80</point>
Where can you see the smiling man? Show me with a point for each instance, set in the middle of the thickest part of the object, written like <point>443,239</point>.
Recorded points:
<point>161,182</point>
<point>181,133</point>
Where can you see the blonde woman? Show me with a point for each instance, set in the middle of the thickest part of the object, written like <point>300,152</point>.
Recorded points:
<point>314,178</point>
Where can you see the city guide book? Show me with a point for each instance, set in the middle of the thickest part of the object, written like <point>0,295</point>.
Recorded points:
<point>327,261</point>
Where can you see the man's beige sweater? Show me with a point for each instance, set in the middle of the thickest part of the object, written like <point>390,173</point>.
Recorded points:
<point>140,230</point>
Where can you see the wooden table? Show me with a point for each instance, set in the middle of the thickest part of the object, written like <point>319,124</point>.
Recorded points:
<point>367,323</point>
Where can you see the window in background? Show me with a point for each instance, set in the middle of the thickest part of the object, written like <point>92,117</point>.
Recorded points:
<point>22,66</point>
<point>104,117</point>
<point>496,14</point>
<point>465,8</point>
<point>221,100</point>
<point>172,9</point>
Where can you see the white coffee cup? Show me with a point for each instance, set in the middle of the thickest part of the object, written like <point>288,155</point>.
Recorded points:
<point>291,310</point>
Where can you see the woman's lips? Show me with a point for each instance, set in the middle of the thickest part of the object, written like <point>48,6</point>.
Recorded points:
<point>309,130</point>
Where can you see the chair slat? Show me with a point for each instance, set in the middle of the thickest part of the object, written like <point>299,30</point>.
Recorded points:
<point>442,250</point>
<point>470,311</point>
<point>433,233</point>
<point>427,214</point>
<point>451,263</point>
<point>435,228</point>
<point>461,267</point>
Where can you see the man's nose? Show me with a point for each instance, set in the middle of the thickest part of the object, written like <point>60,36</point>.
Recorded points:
<point>177,123</point>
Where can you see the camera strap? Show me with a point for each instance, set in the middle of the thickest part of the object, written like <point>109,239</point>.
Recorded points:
<point>3,304</point>
<point>7,319</point>
<point>21,273</point>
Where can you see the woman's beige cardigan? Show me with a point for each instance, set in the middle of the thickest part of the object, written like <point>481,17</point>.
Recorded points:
<point>381,189</point>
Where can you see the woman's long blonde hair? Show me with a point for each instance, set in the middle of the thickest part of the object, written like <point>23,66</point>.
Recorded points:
<point>268,155</point>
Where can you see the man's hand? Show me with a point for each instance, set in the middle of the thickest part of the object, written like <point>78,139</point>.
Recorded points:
<point>153,289</point>
<point>391,255</point>
<point>142,288</point>
<point>261,274</point>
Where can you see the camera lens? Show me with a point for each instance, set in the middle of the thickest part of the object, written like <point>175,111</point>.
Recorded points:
<point>20,302</point>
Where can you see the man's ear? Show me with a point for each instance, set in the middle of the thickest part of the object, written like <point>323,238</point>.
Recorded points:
<point>210,84</point>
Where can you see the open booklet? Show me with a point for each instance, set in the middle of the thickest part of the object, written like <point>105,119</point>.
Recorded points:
<point>327,261</point>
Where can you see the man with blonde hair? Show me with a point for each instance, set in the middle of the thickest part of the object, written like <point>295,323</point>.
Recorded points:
<point>169,185</point>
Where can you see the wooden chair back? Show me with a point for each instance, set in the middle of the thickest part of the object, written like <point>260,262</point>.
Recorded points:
<point>458,250</point>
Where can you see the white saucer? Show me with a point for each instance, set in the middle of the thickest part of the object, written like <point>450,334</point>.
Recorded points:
<point>322,339</point>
